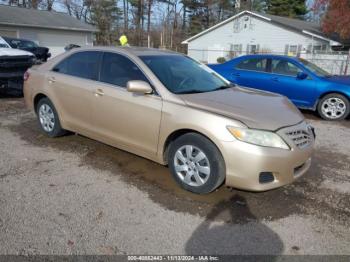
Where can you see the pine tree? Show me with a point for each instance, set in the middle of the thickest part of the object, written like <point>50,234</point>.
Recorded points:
<point>289,8</point>
<point>105,15</point>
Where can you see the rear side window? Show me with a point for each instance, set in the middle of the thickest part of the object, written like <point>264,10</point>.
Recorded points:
<point>118,70</point>
<point>81,64</point>
<point>254,64</point>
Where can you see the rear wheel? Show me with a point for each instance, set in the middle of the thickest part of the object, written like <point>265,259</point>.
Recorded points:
<point>196,163</point>
<point>333,107</point>
<point>48,118</point>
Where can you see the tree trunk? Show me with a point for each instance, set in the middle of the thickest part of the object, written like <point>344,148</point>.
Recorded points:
<point>125,15</point>
<point>142,21</point>
<point>149,23</point>
<point>138,21</point>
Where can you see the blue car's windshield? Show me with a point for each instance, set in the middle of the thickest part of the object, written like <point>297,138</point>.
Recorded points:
<point>314,68</point>
<point>182,75</point>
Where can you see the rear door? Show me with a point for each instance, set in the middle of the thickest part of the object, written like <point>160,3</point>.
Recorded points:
<point>284,80</point>
<point>127,119</point>
<point>252,73</point>
<point>72,83</point>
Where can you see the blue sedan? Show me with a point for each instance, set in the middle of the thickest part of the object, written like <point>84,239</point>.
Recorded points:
<point>305,84</point>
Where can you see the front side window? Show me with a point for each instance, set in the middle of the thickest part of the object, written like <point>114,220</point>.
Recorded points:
<point>314,68</point>
<point>283,67</point>
<point>183,75</point>
<point>254,64</point>
<point>81,64</point>
<point>118,70</point>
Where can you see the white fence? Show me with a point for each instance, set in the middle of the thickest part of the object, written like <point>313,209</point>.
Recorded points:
<point>335,63</point>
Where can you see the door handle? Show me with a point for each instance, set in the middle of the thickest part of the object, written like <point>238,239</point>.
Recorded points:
<point>52,79</point>
<point>274,79</point>
<point>236,74</point>
<point>99,92</point>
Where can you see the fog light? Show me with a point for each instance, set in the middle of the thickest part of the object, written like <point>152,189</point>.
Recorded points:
<point>266,177</point>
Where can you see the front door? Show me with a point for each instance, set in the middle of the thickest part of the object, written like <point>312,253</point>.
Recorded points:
<point>284,81</point>
<point>130,120</point>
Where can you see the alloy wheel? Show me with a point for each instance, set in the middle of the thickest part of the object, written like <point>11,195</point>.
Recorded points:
<point>333,107</point>
<point>46,117</point>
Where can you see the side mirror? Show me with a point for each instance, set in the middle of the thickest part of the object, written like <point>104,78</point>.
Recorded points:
<point>302,76</point>
<point>138,86</point>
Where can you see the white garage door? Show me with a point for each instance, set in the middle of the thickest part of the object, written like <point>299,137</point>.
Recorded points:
<point>57,42</point>
<point>8,33</point>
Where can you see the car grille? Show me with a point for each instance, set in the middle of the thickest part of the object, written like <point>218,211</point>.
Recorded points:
<point>301,138</point>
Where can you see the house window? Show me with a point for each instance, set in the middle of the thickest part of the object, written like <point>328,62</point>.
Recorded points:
<point>317,48</point>
<point>253,49</point>
<point>293,49</point>
<point>236,26</point>
<point>235,50</point>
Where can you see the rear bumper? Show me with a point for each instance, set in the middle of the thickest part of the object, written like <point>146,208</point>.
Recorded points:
<point>246,162</point>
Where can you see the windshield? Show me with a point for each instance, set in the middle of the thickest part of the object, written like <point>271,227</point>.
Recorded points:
<point>314,68</point>
<point>183,75</point>
<point>27,44</point>
<point>3,45</point>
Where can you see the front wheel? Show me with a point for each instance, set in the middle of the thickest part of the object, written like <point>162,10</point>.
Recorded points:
<point>333,107</point>
<point>196,163</point>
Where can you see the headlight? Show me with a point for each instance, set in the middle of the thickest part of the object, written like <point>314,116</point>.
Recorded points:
<point>258,137</point>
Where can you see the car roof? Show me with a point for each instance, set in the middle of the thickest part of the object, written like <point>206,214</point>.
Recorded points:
<point>266,56</point>
<point>18,39</point>
<point>137,51</point>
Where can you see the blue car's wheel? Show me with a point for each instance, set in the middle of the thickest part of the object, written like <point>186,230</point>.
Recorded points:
<point>334,107</point>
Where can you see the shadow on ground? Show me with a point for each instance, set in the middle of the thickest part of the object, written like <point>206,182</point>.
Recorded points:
<point>212,238</point>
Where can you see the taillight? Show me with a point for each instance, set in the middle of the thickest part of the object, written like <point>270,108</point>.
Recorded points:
<point>26,76</point>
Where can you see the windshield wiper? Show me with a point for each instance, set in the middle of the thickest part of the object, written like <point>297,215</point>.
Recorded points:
<point>192,91</point>
<point>222,87</point>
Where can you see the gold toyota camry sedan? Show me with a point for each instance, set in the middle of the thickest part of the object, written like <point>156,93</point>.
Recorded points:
<point>169,108</point>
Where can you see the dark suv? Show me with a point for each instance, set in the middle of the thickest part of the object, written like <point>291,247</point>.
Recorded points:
<point>41,53</point>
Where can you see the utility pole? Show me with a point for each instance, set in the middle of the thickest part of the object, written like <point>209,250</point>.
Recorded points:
<point>347,63</point>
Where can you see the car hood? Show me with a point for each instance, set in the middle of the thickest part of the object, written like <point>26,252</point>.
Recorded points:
<point>256,109</point>
<point>13,52</point>
<point>345,80</point>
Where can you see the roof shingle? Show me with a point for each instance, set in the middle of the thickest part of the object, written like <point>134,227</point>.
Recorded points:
<point>17,16</point>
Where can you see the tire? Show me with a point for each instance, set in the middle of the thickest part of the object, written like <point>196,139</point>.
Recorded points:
<point>48,118</point>
<point>333,107</point>
<point>196,173</point>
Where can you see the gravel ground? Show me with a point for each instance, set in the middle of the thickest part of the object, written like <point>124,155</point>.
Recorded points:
<point>73,195</point>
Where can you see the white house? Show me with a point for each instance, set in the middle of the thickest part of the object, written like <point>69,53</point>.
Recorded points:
<point>250,32</point>
<point>52,29</point>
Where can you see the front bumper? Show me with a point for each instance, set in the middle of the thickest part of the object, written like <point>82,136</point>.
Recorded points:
<point>246,162</point>
<point>15,83</point>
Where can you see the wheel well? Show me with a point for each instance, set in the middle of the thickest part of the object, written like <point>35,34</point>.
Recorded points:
<point>176,134</point>
<point>333,92</point>
<point>37,98</point>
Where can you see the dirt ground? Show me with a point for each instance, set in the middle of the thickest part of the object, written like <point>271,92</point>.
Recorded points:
<point>73,195</point>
